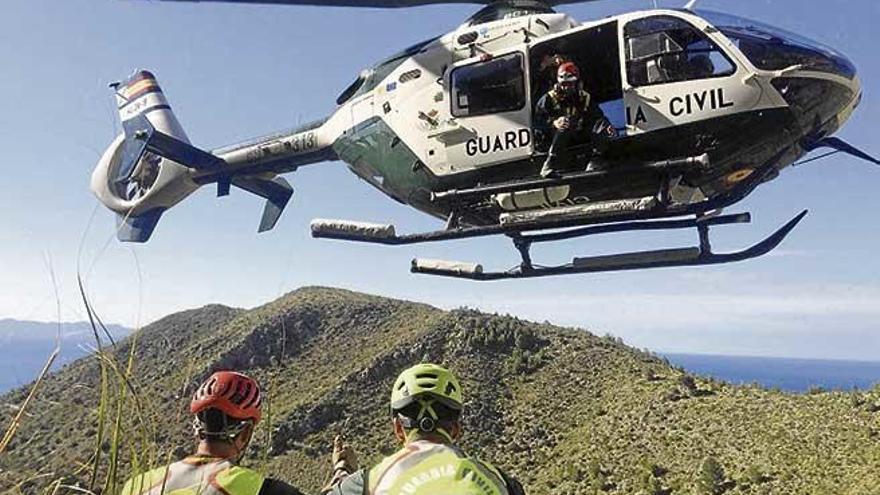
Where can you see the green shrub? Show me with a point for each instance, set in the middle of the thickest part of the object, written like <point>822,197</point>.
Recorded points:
<point>688,383</point>
<point>754,475</point>
<point>649,482</point>
<point>815,390</point>
<point>598,479</point>
<point>710,479</point>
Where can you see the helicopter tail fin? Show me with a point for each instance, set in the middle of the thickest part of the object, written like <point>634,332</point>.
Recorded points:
<point>137,228</point>
<point>142,95</point>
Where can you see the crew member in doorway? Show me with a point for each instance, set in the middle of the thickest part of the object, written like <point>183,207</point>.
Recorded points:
<point>570,114</point>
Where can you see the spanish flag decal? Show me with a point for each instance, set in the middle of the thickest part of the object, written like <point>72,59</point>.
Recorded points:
<point>140,84</point>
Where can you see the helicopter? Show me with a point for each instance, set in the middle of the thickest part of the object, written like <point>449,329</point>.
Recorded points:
<point>705,107</point>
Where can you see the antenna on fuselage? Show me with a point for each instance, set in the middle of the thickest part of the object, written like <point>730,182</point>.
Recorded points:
<point>690,5</point>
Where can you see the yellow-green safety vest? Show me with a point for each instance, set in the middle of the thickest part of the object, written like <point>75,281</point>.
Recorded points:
<point>196,475</point>
<point>424,467</point>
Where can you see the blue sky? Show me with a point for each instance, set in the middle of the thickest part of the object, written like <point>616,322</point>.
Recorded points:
<point>234,71</point>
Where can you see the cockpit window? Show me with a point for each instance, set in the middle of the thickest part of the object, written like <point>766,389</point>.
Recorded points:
<point>772,48</point>
<point>370,78</point>
<point>665,49</point>
<point>492,86</point>
<point>352,88</point>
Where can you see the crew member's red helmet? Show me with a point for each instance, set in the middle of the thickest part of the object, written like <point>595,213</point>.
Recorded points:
<point>568,74</point>
<point>236,395</point>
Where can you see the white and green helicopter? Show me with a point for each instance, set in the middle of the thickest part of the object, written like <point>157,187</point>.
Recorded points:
<point>705,107</point>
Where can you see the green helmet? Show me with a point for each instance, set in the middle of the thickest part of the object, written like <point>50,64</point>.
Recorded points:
<point>426,381</point>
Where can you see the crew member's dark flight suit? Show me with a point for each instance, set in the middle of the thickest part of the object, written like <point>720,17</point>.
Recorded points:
<point>587,123</point>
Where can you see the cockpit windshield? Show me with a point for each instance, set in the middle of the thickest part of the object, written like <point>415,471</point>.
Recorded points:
<point>772,48</point>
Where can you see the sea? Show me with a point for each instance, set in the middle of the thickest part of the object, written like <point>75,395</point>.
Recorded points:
<point>789,374</point>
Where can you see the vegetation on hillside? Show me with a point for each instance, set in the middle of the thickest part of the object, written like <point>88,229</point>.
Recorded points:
<point>563,410</point>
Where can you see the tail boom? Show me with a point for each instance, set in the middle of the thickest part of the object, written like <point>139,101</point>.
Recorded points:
<point>152,166</point>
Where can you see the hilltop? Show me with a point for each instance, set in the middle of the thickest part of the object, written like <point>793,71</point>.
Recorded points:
<point>565,411</point>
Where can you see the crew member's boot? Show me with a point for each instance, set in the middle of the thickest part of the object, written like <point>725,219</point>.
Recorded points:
<point>595,161</point>
<point>547,171</point>
<point>595,164</point>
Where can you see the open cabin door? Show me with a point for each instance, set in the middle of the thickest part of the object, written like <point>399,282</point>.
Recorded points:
<point>490,112</point>
<point>595,50</point>
<point>675,73</point>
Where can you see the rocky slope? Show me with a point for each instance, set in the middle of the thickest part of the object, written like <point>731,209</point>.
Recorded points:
<point>565,411</point>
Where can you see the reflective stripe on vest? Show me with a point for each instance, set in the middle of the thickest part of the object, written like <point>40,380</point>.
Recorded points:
<point>196,476</point>
<point>425,467</point>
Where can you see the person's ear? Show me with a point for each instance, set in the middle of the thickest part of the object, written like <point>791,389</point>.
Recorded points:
<point>457,430</point>
<point>244,438</point>
<point>399,432</point>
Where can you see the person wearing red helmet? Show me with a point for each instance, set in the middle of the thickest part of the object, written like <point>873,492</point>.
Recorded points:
<point>227,407</point>
<point>569,113</point>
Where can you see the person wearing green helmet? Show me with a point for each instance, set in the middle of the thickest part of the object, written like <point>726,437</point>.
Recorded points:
<point>426,407</point>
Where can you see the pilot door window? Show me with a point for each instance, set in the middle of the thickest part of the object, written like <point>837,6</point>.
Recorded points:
<point>493,86</point>
<point>666,49</point>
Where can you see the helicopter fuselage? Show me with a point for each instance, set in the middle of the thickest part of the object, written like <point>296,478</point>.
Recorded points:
<point>457,110</point>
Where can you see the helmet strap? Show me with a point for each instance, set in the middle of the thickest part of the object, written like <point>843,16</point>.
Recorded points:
<point>426,422</point>
<point>427,406</point>
<point>228,433</point>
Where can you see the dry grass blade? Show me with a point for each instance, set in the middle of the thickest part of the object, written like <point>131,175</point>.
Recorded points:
<point>102,410</point>
<point>16,421</point>
<point>76,489</point>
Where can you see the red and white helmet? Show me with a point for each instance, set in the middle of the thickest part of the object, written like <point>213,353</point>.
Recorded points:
<point>568,74</point>
<point>236,395</point>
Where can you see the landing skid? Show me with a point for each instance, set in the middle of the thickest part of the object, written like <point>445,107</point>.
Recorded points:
<point>690,256</point>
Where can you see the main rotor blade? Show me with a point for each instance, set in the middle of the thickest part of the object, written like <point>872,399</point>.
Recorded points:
<point>375,3</point>
<point>388,4</point>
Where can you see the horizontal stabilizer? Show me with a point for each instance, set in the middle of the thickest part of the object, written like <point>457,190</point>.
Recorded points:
<point>141,136</point>
<point>277,192</point>
<point>139,228</point>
